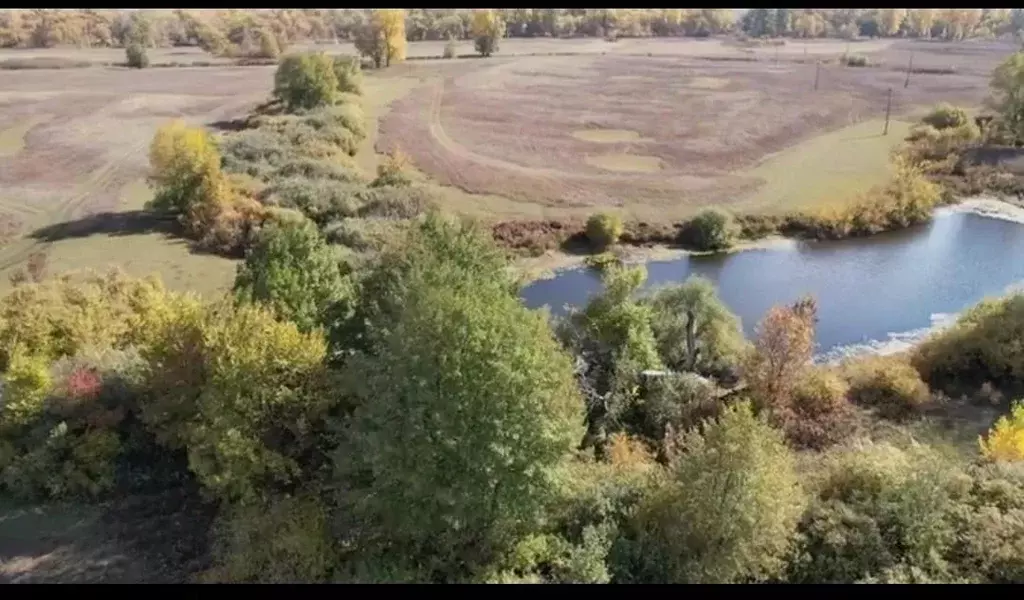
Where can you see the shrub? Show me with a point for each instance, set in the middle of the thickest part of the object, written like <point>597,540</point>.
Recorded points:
<point>61,429</point>
<point>364,234</point>
<point>982,346</point>
<point>782,350</point>
<point>880,513</point>
<point>854,60</point>
<point>889,384</point>
<point>60,317</point>
<point>349,73</point>
<point>322,200</point>
<point>710,230</point>
<point>393,171</point>
<point>1005,440</point>
<point>736,485</point>
<point>451,49</point>
<point>306,168</point>
<point>676,403</point>
<point>282,541</point>
<point>991,529</point>
<point>268,45</point>
<point>818,414</point>
<point>396,202</point>
<point>136,56</point>
<point>946,116</point>
<point>604,230</point>
<point>240,392</point>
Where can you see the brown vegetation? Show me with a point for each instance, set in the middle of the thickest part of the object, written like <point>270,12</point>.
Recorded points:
<point>512,127</point>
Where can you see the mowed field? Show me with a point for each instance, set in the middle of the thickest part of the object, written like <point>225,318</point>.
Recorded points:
<point>544,129</point>
<point>73,163</point>
<point>660,128</point>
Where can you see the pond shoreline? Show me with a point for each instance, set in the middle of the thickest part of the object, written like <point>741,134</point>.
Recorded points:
<point>556,262</point>
<point>868,263</point>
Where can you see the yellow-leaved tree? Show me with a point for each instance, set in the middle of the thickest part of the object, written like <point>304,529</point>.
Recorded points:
<point>487,27</point>
<point>382,40</point>
<point>1006,439</point>
<point>185,166</point>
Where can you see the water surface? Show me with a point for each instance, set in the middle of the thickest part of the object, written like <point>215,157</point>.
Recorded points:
<point>868,289</point>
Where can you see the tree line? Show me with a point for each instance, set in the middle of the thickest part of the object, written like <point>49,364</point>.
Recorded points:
<point>215,29</point>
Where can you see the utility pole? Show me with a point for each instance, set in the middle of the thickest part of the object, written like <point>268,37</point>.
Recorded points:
<point>888,110</point>
<point>910,69</point>
<point>817,72</point>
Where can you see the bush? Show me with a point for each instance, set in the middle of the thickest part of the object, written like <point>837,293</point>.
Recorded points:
<point>880,513</point>
<point>604,230</point>
<point>365,234</point>
<point>186,167</point>
<point>396,202</point>
<point>349,73</point>
<point>451,49</point>
<point>711,230</point>
<point>240,392</point>
<point>63,316</point>
<point>946,116</point>
<point>1005,440</point>
<point>61,428</point>
<point>393,170</point>
<point>136,56</point>
<point>283,541</point>
<point>736,485</point>
<point>854,60</point>
<point>291,271</point>
<point>322,200</point>
<point>677,403</point>
<point>889,384</point>
<point>818,414</point>
<point>306,168</point>
<point>982,346</point>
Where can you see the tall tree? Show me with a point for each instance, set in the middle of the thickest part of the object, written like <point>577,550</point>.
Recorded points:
<point>465,407</point>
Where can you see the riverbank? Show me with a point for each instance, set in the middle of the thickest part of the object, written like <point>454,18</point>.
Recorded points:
<point>877,294</point>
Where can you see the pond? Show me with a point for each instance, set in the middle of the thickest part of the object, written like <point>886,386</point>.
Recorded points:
<point>870,291</point>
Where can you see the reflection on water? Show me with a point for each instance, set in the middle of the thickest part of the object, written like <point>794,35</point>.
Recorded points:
<point>867,289</point>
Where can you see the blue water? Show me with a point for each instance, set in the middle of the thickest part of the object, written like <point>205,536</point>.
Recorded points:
<point>867,289</point>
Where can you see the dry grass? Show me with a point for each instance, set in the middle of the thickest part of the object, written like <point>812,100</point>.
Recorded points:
<point>519,128</point>
<point>75,153</point>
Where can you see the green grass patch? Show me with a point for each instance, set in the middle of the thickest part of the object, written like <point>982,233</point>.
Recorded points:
<point>828,168</point>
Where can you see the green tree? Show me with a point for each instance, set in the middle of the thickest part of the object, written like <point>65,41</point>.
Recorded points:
<point>463,411</point>
<point>695,330</point>
<point>428,247</point>
<point>293,271</point>
<point>1008,94</point>
<point>306,81</point>
<point>612,336</point>
<point>729,515</point>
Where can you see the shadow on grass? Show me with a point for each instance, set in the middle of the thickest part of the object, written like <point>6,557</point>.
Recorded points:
<point>231,125</point>
<point>135,222</point>
<point>156,538</point>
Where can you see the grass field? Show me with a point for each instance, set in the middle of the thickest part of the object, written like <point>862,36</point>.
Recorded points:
<point>545,129</point>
